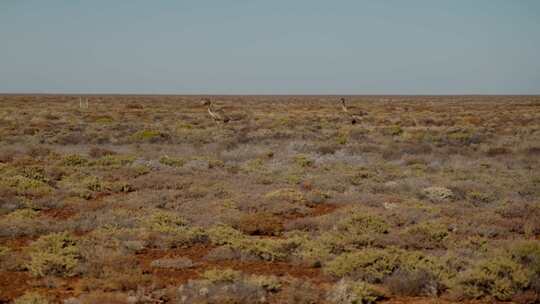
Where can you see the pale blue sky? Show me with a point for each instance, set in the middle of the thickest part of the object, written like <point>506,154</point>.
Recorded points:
<point>270,46</point>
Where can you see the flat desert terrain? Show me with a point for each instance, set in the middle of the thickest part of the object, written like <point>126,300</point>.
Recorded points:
<point>147,199</point>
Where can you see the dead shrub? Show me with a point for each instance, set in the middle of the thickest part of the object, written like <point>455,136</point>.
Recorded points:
<point>259,224</point>
<point>496,151</point>
<point>7,155</point>
<point>173,263</point>
<point>301,292</point>
<point>97,152</point>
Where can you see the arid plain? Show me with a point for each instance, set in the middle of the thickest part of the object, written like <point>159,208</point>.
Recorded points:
<point>146,199</point>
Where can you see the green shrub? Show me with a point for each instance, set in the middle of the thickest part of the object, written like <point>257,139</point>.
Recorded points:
<point>54,254</point>
<point>477,197</point>
<point>392,130</point>
<point>105,119</point>
<point>31,298</point>
<point>342,138</point>
<point>527,253</point>
<point>355,231</point>
<point>313,250</point>
<point>303,161</point>
<point>254,165</point>
<point>22,214</point>
<point>163,221</point>
<point>268,283</point>
<point>287,195</point>
<point>224,235</point>
<point>371,265</point>
<point>350,292</point>
<point>359,222</point>
<point>74,160</point>
<point>499,277</point>
<point>438,194</point>
<point>222,275</point>
<point>3,251</point>
<point>425,236</point>
<point>147,136</point>
<point>172,162</point>
<point>186,126</point>
<point>120,187</point>
<point>462,137</point>
<point>265,249</point>
<point>172,230</point>
<point>26,186</point>
<point>36,173</point>
<point>374,265</point>
<point>414,261</point>
<point>94,183</point>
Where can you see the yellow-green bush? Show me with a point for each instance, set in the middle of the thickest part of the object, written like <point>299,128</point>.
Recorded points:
<point>313,250</point>
<point>254,165</point>
<point>351,292</point>
<point>224,235</point>
<point>355,231</point>
<point>528,254</point>
<point>287,195</point>
<point>303,161</point>
<point>25,186</point>
<point>36,173</point>
<point>425,236</point>
<point>173,229</point>
<point>359,222</point>
<point>22,214</point>
<point>392,130</point>
<point>54,254</point>
<point>163,221</point>
<point>268,283</point>
<point>171,161</point>
<point>94,183</point>
<point>74,160</point>
<point>3,251</point>
<point>31,298</point>
<point>499,277</point>
<point>266,249</point>
<point>147,135</point>
<point>342,138</point>
<point>221,275</point>
<point>372,265</point>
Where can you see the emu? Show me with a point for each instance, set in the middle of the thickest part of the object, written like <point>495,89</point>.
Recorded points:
<point>217,115</point>
<point>83,105</point>
<point>355,117</point>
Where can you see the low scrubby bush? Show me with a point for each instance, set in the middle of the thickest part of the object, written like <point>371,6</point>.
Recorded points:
<point>351,292</point>
<point>31,298</point>
<point>222,286</point>
<point>54,254</point>
<point>499,277</point>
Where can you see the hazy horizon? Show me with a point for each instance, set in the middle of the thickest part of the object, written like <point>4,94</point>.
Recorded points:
<point>418,47</point>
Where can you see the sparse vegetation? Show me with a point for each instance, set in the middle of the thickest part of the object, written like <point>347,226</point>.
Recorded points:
<point>146,200</point>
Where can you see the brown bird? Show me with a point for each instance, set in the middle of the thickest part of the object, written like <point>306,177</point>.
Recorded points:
<point>217,115</point>
<point>356,116</point>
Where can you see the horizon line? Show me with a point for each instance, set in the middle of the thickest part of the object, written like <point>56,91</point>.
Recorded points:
<point>245,94</point>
